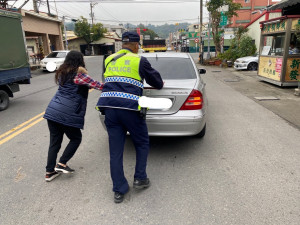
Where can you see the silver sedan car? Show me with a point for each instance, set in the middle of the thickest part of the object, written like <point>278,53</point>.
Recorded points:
<point>184,86</point>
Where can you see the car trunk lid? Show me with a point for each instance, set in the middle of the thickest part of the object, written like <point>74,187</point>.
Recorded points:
<point>176,90</point>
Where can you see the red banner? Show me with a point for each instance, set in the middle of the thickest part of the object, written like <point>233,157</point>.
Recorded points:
<point>138,30</point>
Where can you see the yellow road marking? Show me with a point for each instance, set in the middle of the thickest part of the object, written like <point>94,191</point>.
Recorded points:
<point>21,125</point>
<point>17,130</point>
<point>20,131</point>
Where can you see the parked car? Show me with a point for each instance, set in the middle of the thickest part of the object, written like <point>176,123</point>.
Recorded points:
<point>185,87</point>
<point>246,63</point>
<point>58,57</point>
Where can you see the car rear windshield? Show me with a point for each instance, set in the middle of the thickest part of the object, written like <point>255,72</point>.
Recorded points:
<point>57,55</point>
<point>173,68</point>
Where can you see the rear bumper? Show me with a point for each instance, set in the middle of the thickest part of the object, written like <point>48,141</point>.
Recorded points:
<point>183,123</point>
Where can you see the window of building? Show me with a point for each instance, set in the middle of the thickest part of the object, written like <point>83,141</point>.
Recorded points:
<point>294,47</point>
<point>247,1</point>
<point>273,45</point>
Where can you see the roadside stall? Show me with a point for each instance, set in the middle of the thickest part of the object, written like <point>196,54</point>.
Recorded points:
<point>279,61</point>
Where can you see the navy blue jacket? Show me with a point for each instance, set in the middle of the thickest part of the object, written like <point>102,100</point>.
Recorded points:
<point>68,106</point>
<point>151,75</point>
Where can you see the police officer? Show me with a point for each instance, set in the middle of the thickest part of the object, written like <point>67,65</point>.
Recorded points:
<point>124,74</point>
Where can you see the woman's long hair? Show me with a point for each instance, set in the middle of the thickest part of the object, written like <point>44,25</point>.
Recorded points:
<point>69,68</point>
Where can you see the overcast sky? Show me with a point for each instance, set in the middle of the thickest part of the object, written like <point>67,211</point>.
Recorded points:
<point>127,11</point>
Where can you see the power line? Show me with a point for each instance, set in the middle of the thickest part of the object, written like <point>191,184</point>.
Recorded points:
<point>128,1</point>
<point>153,21</point>
<point>75,4</point>
<point>110,14</point>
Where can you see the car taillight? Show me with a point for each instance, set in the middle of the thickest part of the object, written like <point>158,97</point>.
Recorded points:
<point>194,101</point>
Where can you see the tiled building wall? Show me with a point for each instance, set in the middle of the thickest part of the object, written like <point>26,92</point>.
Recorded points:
<point>251,9</point>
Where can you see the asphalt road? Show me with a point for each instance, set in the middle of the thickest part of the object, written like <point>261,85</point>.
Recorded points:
<point>244,171</point>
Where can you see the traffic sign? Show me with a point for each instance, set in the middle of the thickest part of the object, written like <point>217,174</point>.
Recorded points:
<point>223,20</point>
<point>196,40</point>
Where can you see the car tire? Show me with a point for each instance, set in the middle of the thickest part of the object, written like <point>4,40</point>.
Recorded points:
<point>252,66</point>
<point>201,134</point>
<point>4,100</point>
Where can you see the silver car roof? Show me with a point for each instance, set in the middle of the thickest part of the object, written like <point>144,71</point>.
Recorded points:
<point>166,54</point>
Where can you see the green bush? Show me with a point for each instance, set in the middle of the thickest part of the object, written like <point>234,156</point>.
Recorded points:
<point>239,48</point>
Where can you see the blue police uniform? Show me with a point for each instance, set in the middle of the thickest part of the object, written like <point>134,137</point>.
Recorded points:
<point>119,101</point>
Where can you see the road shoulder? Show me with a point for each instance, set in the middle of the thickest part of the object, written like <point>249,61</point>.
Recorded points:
<point>286,105</point>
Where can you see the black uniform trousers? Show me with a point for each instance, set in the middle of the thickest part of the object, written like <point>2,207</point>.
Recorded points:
<point>57,132</point>
<point>118,122</point>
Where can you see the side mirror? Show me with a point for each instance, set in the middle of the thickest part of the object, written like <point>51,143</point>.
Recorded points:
<point>202,71</point>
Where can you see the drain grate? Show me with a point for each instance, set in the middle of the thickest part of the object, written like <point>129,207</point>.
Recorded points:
<point>231,80</point>
<point>266,98</point>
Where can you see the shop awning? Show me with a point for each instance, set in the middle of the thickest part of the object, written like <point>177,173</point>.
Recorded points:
<point>284,4</point>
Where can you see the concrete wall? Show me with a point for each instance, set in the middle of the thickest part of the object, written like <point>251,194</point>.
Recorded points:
<point>75,44</point>
<point>47,28</point>
<point>39,25</point>
<point>255,31</point>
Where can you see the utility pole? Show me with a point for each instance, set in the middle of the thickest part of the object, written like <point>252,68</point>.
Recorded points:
<point>199,38</point>
<point>56,9</point>
<point>200,33</point>
<point>35,8</point>
<point>208,41</point>
<point>48,8</point>
<point>92,5</point>
<point>65,31</point>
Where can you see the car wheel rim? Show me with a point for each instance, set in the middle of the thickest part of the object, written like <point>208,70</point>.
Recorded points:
<point>252,67</point>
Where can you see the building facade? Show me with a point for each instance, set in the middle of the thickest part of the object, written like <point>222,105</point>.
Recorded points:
<point>43,33</point>
<point>110,43</point>
<point>254,26</point>
<point>250,11</point>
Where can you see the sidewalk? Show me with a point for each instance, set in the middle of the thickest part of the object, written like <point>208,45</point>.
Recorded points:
<point>287,105</point>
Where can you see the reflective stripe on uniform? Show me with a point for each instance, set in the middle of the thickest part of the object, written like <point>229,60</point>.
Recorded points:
<point>124,80</point>
<point>119,95</point>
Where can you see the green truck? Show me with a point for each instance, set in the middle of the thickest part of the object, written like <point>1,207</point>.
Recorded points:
<point>14,65</point>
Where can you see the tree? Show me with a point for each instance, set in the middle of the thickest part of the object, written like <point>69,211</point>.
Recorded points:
<point>241,45</point>
<point>240,31</point>
<point>212,7</point>
<point>89,32</point>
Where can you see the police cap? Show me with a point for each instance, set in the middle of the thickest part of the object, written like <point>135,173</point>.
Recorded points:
<point>130,37</point>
